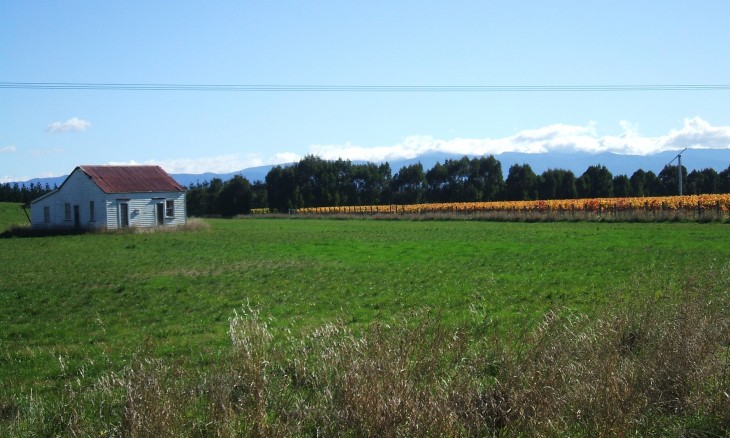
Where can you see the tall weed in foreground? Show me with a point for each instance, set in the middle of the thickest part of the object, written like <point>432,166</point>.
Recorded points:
<point>658,367</point>
<point>391,381</point>
<point>387,382</point>
<point>649,367</point>
<point>155,399</point>
<point>244,388</point>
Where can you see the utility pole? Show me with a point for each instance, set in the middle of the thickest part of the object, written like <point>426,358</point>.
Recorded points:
<point>679,170</point>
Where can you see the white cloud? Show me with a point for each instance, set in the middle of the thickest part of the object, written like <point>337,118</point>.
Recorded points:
<point>19,178</point>
<point>217,164</point>
<point>8,150</point>
<point>283,158</point>
<point>73,124</point>
<point>695,132</point>
<point>553,138</point>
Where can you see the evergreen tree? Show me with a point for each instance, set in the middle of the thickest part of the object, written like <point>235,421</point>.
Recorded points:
<point>597,182</point>
<point>702,182</point>
<point>437,183</point>
<point>669,180</point>
<point>368,183</point>
<point>566,186</point>
<point>521,184</point>
<point>196,200</point>
<point>259,195</point>
<point>723,184</point>
<point>622,186</point>
<point>486,181</point>
<point>281,188</point>
<point>235,197</point>
<point>409,185</point>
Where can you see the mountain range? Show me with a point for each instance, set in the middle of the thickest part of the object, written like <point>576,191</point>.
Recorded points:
<point>577,162</point>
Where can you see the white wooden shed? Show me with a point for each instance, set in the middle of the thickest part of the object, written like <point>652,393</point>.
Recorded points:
<point>110,197</point>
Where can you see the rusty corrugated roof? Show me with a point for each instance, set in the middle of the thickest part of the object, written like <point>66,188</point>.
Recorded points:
<point>131,179</point>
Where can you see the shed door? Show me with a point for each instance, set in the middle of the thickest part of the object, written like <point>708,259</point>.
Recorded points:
<point>123,214</point>
<point>160,214</point>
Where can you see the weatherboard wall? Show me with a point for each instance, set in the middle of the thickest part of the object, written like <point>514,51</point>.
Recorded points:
<point>77,190</point>
<point>142,209</point>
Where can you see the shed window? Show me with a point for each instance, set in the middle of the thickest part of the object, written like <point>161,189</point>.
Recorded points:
<point>169,208</point>
<point>92,212</point>
<point>67,211</point>
<point>47,215</point>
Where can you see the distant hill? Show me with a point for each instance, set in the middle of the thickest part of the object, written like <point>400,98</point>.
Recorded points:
<point>577,162</point>
<point>55,180</point>
<point>252,174</point>
<point>692,159</point>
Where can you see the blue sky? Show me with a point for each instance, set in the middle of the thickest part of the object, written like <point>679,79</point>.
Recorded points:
<point>343,43</point>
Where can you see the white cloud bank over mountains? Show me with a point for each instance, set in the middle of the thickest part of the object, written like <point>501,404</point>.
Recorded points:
<point>695,133</point>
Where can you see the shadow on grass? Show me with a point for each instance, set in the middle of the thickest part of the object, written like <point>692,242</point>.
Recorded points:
<point>25,232</point>
<point>192,224</point>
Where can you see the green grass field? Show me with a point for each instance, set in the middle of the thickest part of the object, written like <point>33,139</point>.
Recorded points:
<point>76,308</point>
<point>11,214</point>
<point>94,299</point>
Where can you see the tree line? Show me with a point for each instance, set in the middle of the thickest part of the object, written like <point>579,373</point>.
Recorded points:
<point>314,182</point>
<point>17,192</point>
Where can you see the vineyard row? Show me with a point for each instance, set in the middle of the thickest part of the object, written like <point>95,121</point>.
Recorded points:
<point>697,205</point>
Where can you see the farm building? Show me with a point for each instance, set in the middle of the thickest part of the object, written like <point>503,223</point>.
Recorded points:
<point>110,197</point>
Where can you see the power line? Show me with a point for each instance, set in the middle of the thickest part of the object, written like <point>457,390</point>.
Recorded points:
<point>358,88</point>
